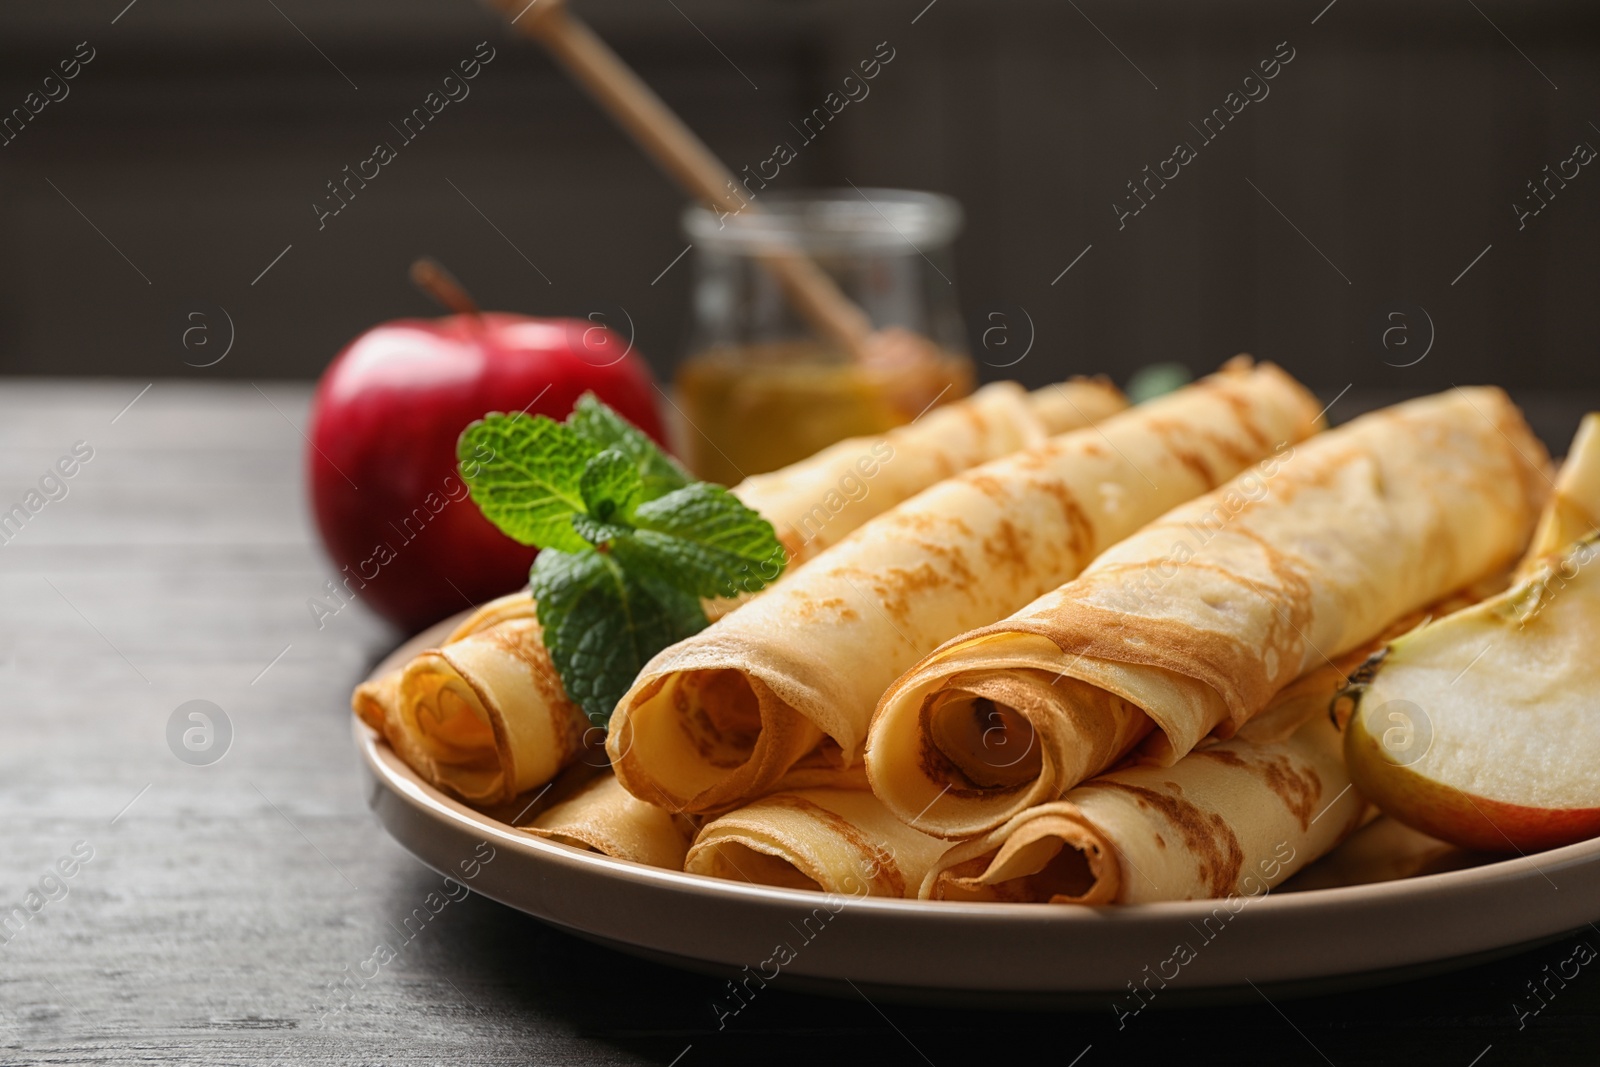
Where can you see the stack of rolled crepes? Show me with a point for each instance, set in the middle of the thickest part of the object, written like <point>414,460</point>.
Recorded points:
<point>1152,726</point>
<point>779,694</point>
<point>484,716</point>
<point>1191,625</point>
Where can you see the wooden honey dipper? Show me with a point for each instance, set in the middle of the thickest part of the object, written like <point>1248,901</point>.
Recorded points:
<point>675,148</point>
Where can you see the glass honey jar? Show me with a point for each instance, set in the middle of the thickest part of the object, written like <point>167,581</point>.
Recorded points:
<point>762,385</point>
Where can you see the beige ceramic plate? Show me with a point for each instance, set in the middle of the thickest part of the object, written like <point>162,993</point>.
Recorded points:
<point>1290,942</point>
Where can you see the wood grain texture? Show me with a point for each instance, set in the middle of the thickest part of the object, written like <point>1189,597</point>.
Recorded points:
<point>219,907</point>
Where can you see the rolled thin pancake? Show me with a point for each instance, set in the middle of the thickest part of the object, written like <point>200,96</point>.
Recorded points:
<point>1231,819</point>
<point>729,713</point>
<point>814,503</point>
<point>483,716</point>
<point>604,817</point>
<point>377,702</point>
<point>834,840</point>
<point>1193,623</point>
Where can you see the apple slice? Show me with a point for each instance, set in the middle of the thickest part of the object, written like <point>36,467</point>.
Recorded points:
<point>1484,728</point>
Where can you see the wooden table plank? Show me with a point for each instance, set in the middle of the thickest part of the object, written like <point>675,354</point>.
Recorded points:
<point>222,901</point>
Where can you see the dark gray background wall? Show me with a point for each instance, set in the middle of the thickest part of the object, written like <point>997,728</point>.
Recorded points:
<point>1390,149</point>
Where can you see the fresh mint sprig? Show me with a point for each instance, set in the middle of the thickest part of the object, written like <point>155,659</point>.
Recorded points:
<point>629,544</point>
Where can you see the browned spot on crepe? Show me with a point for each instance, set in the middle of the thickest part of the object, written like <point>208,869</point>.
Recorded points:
<point>1206,835</point>
<point>920,521</point>
<point>1222,755</point>
<point>1193,563</point>
<point>1240,457</point>
<point>1242,408</point>
<point>1040,458</point>
<point>888,875</point>
<point>522,642</point>
<point>1291,603</point>
<point>1298,788</point>
<point>1196,464</point>
<point>988,485</point>
<point>1080,529</point>
<point>952,557</point>
<point>896,586</point>
<point>1007,546</point>
<point>1173,435</point>
<point>825,610</point>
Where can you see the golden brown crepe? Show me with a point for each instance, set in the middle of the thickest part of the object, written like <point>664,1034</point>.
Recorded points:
<point>483,716</point>
<point>834,840</point>
<point>814,503</point>
<point>1190,625</point>
<point>604,817</point>
<point>1232,819</point>
<point>729,713</point>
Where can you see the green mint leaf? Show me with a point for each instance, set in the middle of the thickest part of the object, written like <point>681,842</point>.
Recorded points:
<point>596,532</point>
<point>611,486</point>
<point>704,540</point>
<point>525,475</point>
<point>628,544</point>
<point>600,425</point>
<point>601,624</point>
<point>681,610</point>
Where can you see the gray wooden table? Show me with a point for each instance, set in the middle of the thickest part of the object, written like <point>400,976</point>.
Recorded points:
<point>222,901</point>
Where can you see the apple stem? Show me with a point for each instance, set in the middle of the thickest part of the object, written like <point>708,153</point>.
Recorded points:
<point>429,275</point>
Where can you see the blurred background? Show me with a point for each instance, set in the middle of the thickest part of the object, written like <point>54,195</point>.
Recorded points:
<point>1385,162</point>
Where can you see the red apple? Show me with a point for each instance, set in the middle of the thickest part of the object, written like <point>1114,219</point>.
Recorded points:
<point>389,502</point>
